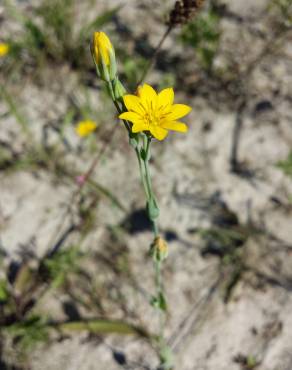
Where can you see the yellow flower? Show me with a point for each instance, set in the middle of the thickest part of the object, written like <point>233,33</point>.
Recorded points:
<point>85,128</point>
<point>4,49</point>
<point>149,111</point>
<point>104,56</point>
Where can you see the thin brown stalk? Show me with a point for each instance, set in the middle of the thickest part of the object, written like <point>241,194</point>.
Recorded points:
<point>154,55</point>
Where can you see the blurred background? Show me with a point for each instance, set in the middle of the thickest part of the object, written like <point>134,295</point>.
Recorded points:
<point>75,274</point>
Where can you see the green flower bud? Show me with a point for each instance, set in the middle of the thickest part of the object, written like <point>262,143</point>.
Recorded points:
<point>152,209</point>
<point>119,90</point>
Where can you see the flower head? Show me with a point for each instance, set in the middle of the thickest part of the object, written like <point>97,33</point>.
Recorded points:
<point>159,249</point>
<point>85,128</point>
<point>4,49</point>
<point>149,111</point>
<point>104,56</point>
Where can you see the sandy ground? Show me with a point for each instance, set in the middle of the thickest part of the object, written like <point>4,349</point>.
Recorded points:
<point>192,179</point>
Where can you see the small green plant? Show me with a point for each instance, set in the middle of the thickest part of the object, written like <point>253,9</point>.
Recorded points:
<point>61,264</point>
<point>27,334</point>
<point>15,111</point>
<point>247,362</point>
<point>203,35</point>
<point>284,8</point>
<point>286,165</point>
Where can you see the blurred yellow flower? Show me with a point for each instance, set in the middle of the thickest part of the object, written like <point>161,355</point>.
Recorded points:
<point>149,111</point>
<point>4,49</point>
<point>85,128</point>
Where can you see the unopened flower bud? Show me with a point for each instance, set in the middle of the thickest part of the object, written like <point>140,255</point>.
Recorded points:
<point>104,56</point>
<point>159,249</point>
<point>119,90</point>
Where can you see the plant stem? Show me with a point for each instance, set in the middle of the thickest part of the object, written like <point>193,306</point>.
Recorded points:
<point>151,197</point>
<point>142,150</point>
<point>142,174</point>
<point>118,108</point>
<point>157,262</point>
<point>155,228</point>
<point>147,142</point>
<point>154,55</point>
<point>159,291</point>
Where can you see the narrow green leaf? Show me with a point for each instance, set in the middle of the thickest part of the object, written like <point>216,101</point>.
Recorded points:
<point>99,326</point>
<point>14,110</point>
<point>3,291</point>
<point>159,302</point>
<point>108,194</point>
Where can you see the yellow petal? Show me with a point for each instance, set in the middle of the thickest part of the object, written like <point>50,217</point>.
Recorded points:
<point>130,116</point>
<point>158,132</point>
<point>166,97</point>
<point>178,111</point>
<point>175,126</point>
<point>146,91</point>
<point>140,126</point>
<point>148,96</point>
<point>133,103</point>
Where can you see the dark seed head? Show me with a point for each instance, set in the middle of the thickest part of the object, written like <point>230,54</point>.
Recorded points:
<point>183,11</point>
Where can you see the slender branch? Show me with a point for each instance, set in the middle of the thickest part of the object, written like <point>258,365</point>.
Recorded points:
<point>154,55</point>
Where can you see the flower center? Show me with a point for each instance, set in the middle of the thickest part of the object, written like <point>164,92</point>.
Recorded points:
<point>151,119</point>
<point>152,116</point>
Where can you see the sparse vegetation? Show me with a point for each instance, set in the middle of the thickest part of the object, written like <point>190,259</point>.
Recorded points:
<point>203,35</point>
<point>80,235</point>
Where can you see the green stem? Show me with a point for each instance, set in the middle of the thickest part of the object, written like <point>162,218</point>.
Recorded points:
<point>118,108</point>
<point>112,94</point>
<point>142,174</point>
<point>147,142</point>
<point>142,151</point>
<point>158,276</point>
<point>157,263</point>
<point>155,228</point>
<point>159,291</point>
